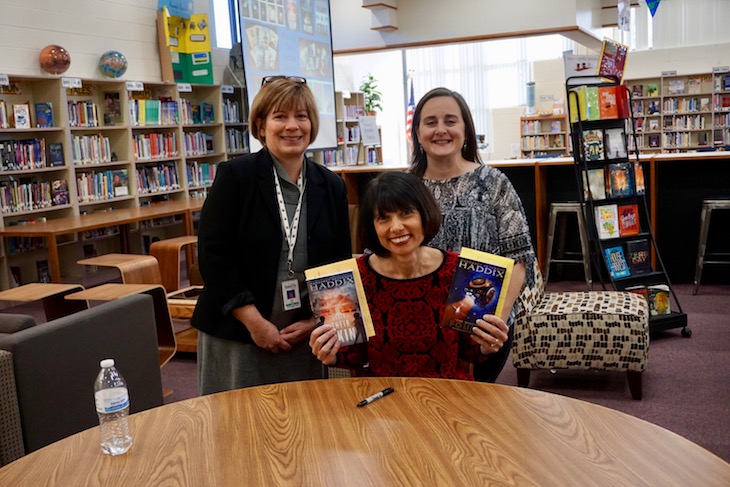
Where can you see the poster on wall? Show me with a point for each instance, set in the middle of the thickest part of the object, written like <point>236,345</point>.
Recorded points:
<point>292,38</point>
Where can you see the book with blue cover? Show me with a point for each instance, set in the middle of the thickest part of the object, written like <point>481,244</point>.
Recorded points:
<point>616,262</point>
<point>478,288</point>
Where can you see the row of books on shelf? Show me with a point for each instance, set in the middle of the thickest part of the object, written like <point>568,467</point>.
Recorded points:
<point>645,107</point>
<point>631,258</point>
<point>193,113</point>
<point>83,113</point>
<point>598,103</point>
<point>546,141</point>
<point>153,112</point>
<point>200,173</point>
<point>332,157</point>
<point>91,149</point>
<point>614,181</point>
<point>354,111</point>
<point>96,186</point>
<point>19,245</point>
<point>722,82</point>
<point>236,140</point>
<point>537,127</point>
<point>686,139</point>
<point>603,144</point>
<point>614,220</point>
<point>350,134</point>
<point>721,102</point>
<point>649,90</point>
<point>20,117</point>
<point>684,122</point>
<point>22,155</point>
<point>157,179</point>
<point>657,297</point>
<point>231,111</point>
<point>149,146</point>
<point>18,196</point>
<point>686,105</point>
<point>198,143</point>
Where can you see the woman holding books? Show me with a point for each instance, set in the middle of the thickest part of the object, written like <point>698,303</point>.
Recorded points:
<point>267,217</point>
<point>407,284</point>
<point>480,207</point>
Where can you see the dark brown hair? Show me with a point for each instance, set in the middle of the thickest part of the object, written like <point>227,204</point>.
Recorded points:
<point>282,94</point>
<point>470,150</point>
<point>396,191</point>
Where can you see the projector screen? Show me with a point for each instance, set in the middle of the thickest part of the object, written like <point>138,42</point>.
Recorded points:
<point>293,38</point>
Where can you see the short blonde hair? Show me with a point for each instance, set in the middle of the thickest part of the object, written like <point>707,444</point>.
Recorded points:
<point>282,94</point>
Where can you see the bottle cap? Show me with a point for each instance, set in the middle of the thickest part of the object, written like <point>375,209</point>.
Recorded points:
<point>106,363</point>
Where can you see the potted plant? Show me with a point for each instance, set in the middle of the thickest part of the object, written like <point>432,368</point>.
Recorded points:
<point>369,88</point>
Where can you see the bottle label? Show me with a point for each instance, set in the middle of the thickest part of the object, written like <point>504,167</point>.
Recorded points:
<point>111,400</point>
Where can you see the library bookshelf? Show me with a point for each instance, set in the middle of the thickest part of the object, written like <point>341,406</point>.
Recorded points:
<point>93,145</point>
<point>543,136</point>
<point>682,113</point>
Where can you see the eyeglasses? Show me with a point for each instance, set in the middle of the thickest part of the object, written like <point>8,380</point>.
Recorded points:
<point>296,79</point>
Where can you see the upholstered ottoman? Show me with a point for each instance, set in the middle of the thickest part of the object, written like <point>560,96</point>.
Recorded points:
<point>602,330</point>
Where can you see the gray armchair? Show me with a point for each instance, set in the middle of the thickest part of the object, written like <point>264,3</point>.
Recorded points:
<point>54,365</point>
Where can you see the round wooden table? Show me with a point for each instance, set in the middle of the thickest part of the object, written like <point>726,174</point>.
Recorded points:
<point>428,432</point>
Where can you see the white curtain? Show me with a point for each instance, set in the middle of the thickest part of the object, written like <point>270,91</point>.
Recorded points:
<point>488,74</point>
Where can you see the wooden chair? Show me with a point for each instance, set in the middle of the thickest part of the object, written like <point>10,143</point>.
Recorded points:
<point>167,253</point>
<point>134,268</point>
<point>50,294</point>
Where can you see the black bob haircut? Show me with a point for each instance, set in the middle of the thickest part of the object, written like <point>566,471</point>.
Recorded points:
<point>396,191</point>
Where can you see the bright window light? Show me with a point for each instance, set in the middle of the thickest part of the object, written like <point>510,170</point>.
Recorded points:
<point>222,22</point>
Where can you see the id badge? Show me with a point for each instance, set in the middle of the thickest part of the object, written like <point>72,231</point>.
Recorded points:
<point>290,295</point>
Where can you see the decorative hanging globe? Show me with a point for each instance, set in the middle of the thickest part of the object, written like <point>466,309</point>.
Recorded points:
<point>54,59</point>
<point>112,64</point>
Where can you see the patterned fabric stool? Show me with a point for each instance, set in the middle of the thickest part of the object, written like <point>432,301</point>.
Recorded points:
<point>601,330</point>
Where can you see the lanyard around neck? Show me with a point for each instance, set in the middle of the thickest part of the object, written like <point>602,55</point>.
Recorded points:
<point>290,232</point>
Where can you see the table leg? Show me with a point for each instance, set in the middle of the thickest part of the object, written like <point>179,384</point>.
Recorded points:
<point>541,215</point>
<point>54,262</point>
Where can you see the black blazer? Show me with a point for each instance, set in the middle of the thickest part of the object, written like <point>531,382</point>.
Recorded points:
<point>240,239</point>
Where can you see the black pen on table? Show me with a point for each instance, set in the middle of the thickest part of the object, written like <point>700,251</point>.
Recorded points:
<point>375,396</point>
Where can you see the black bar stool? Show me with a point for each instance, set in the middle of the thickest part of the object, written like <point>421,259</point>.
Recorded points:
<point>704,257</point>
<point>562,256</point>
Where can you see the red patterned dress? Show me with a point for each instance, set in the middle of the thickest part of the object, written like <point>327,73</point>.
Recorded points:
<point>408,340</point>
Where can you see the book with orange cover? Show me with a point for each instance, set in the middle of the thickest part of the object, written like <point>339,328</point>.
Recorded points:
<point>607,102</point>
<point>628,220</point>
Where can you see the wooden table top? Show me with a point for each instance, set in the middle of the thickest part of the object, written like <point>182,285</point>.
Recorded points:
<point>428,432</point>
<point>120,216</point>
<point>35,291</point>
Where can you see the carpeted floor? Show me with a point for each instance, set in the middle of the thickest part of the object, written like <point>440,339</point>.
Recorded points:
<point>686,386</point>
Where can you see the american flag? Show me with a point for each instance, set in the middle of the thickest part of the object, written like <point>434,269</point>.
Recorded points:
<point>409,114</point>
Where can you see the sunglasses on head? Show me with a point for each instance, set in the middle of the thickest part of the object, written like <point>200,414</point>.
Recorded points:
<point>269,79</point>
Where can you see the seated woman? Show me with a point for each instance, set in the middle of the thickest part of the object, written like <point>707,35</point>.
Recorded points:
<point>406,285</point>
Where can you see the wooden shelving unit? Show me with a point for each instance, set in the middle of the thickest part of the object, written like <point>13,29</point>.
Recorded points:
<point>544,136</point>
<point>682,113</point>
<point>123,144</point>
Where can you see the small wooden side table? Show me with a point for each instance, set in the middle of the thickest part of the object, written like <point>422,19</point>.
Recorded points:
<point>134,268</point>
<point>50,294</point>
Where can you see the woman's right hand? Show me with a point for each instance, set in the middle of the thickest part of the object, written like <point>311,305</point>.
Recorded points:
<point>325,344</point>
<point>268,337</point>
<point>263,332</point>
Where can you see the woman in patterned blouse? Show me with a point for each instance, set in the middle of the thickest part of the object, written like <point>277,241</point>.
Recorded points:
<point>480,207</point>
<point>406,284</point>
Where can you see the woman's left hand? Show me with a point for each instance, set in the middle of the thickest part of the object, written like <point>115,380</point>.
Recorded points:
<point>296,332</point>
<point>490,333</point>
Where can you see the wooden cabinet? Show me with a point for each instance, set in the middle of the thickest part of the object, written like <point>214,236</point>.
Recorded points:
<point>544,136</point>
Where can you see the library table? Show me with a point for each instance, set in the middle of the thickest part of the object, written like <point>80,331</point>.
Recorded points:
<point>79,223</point>
<point>51,295</point>
<point>428,432</point>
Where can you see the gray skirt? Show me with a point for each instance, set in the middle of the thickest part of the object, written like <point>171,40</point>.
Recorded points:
<point>226,364</point>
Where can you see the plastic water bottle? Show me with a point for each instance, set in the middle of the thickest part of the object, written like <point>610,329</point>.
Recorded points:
<point>112,406</point>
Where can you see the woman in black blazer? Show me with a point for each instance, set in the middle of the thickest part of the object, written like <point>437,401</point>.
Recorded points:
<point>267,217</point>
